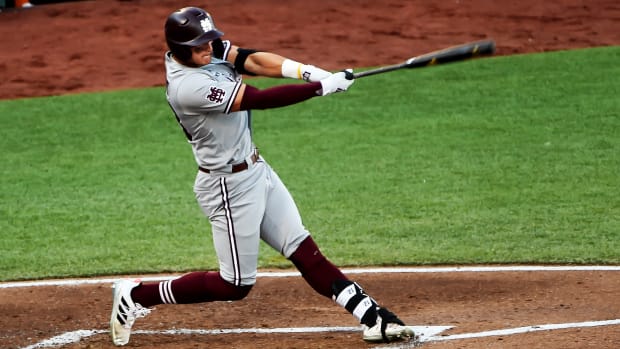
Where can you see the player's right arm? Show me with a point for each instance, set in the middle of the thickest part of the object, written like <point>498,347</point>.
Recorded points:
<point>269,64</point>
<point>252,62</point>
<point>273,65</point>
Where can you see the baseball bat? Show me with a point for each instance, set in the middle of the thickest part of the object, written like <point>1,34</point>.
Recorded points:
<point>447,55</point>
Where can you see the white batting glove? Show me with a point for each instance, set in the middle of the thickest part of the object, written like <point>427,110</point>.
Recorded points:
<point>337,82</point>
<point>307,72</point>
<point>311,73</point>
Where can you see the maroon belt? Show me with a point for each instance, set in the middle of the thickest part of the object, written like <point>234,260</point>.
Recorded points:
<point>238,167</point>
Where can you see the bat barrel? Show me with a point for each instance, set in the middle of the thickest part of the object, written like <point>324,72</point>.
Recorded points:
<point>454,54</point>
<point>450,54</point>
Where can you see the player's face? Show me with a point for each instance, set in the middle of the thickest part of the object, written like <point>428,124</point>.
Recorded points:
<point>201,55</point>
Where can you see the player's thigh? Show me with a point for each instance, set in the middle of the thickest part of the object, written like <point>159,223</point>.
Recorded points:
<point>237,250</point>
<point>235,207</point>
<point>282,227</point>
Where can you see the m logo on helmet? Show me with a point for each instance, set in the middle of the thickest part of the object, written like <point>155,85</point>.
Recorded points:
<point>206,24</point>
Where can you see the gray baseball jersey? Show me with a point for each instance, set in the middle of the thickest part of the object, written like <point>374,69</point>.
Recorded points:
<point>201,99</point>
<point>243,206</point>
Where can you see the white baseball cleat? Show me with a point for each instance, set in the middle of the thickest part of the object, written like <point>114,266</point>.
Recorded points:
<point>388,328</point>
<point>124,311</point>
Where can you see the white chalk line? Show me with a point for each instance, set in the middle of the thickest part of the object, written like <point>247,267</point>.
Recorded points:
<point>427,333</point>
<point>466,269</point>
<point>512,331</point>
<point>528,329</point>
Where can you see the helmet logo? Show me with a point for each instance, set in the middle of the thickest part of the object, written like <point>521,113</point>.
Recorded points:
<point>206,24</point>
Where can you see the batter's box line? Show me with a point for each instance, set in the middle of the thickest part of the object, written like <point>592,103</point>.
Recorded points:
<point>426,333</point>
<point>509,331</point>
<point>78,335</point>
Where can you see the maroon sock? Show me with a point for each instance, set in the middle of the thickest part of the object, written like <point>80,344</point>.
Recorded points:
<point>196,287</point>
<point>319,272</point>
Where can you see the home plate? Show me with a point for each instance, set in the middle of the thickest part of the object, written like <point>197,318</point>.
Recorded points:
<point>422,333</point>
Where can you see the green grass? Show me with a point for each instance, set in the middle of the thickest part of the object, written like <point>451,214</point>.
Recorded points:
<point>503,160</point>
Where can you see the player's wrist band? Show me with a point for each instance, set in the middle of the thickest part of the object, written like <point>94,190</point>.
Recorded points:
<point>292,69</point>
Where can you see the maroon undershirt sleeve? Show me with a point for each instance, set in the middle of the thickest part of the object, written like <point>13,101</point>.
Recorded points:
<point>278,96</point>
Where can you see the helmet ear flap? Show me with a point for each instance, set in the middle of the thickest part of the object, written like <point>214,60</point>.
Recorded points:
<point>181,52</point>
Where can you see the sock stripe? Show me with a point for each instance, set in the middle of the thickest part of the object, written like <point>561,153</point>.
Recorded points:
<point>169,289</point>
<point>161,293</point>
<point>165,292</point>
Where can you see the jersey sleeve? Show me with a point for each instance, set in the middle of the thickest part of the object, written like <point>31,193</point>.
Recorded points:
<point>200,94</point>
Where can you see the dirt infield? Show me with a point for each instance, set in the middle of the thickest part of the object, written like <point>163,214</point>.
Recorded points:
<point>103,45</point>
<point>470,302</point>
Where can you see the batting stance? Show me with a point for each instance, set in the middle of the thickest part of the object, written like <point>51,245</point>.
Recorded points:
<point>236,188</point>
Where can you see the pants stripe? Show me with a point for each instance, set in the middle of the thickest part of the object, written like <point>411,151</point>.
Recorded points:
<point>231,233</point>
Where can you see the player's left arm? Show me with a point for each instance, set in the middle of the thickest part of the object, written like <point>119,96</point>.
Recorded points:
<point>252,62</point>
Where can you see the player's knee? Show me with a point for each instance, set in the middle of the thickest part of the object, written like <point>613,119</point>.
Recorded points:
<point>235,292</point>
<point>308,257</point>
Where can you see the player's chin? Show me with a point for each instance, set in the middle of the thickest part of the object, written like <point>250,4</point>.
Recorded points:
<point>202,60</point>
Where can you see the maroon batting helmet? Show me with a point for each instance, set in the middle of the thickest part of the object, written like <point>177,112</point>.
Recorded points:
<point>188,27</point>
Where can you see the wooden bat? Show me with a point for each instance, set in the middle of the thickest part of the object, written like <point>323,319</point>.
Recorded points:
<point>447,55</point>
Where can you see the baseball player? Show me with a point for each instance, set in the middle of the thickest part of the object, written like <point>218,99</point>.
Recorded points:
<point>236,188</point>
